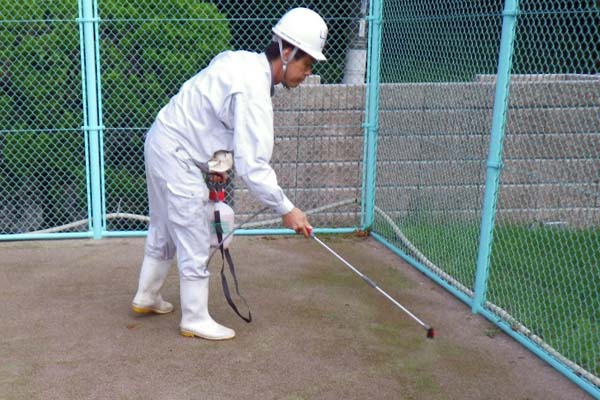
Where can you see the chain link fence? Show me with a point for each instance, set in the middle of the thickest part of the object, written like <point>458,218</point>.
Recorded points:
<point>411,130</point>
<point>545,261</point>
<point>141,53</point>
<point>42,161</point>
<point>160,46</point>
<point>534,269</point>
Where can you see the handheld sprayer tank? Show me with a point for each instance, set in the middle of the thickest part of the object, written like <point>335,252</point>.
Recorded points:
<point>225,218</point>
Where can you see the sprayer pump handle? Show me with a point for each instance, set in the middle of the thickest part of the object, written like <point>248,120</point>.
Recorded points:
<point>216,195</point>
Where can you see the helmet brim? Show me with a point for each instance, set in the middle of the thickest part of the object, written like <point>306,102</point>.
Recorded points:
<point>317,55</point>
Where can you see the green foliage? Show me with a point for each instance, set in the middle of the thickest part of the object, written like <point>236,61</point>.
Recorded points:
<point>47,169</point>
<point>29,154</point>
<point>40,70</point>
<point>147,50</point>
<point>439,40</point>
<point>555,37</point>
<point>43,166</point>
<point>127,193</point>
<point>454,40</point>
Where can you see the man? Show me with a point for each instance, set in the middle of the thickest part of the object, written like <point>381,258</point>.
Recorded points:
<point>225,107</point>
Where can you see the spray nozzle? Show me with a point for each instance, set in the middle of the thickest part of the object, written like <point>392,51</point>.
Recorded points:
<point>430,333</point>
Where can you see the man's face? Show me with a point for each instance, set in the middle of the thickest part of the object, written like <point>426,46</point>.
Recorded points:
<point>297,70</point>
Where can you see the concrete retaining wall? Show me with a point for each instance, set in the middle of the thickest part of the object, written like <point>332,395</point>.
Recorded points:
<point>433,147</point>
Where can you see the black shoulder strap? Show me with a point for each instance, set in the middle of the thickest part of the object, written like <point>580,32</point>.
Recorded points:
<point>226,256</point>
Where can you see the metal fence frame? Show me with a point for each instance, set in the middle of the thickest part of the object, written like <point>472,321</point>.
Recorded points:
<point>475,298</point>
<point>92,130</point>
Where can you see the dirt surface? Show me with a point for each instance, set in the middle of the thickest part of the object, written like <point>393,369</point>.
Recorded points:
<point>319,332</point>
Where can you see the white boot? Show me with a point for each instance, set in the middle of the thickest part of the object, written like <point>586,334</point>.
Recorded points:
<point>195,319</point>
<point>148,298</point>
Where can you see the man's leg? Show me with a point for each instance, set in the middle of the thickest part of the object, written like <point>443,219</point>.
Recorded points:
<point>159,251</point>
<point>190,228</point>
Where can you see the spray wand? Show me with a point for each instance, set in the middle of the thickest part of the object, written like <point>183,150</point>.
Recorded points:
<point>429,329</point>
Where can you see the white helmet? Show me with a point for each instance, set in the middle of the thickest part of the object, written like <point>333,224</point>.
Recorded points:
<point>304,29</point>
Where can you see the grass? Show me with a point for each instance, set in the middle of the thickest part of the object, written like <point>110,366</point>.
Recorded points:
<point>545,277</point>
<point>548,279</point>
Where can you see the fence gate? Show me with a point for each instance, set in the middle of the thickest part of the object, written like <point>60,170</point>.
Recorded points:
<point>43,160</point>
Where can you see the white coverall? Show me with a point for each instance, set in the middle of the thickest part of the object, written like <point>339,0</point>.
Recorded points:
<point>226,106</point>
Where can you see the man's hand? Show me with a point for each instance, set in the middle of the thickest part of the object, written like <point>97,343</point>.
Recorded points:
<point>296,220</point>
<point>218,177</point>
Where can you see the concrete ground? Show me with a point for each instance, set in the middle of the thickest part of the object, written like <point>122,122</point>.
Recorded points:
<point>319,332</point>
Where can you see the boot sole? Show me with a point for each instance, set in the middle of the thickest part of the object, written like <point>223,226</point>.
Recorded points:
<point>146,310</point>
<point>194,334</point>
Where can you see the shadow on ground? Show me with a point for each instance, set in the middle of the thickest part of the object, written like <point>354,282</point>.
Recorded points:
<point>319,332</point>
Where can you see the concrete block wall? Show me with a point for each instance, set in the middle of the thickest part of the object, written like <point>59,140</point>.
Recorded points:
<point>317,154</point>
<point>433,148</point>
<point>434,142</point>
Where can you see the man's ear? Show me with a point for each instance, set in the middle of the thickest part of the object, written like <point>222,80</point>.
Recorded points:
<point>290,52</point>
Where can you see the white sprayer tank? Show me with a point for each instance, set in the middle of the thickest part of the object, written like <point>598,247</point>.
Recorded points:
<point>227,218</point>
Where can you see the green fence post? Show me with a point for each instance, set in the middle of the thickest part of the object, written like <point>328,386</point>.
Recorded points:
<point>88,23</point>
<point>494,162</point>
<point>371,114</point>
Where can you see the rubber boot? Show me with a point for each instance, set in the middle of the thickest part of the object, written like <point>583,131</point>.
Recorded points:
<point>148,298</point>
<point>195,319</point>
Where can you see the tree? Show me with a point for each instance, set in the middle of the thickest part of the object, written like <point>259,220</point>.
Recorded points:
<point>147,49</point>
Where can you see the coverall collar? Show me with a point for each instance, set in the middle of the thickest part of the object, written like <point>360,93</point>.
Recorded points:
<point>272,77</point>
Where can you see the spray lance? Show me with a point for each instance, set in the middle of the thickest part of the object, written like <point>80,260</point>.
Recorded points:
<point>221,217</point>
<point>430,331</point>
<point>219,240</point>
